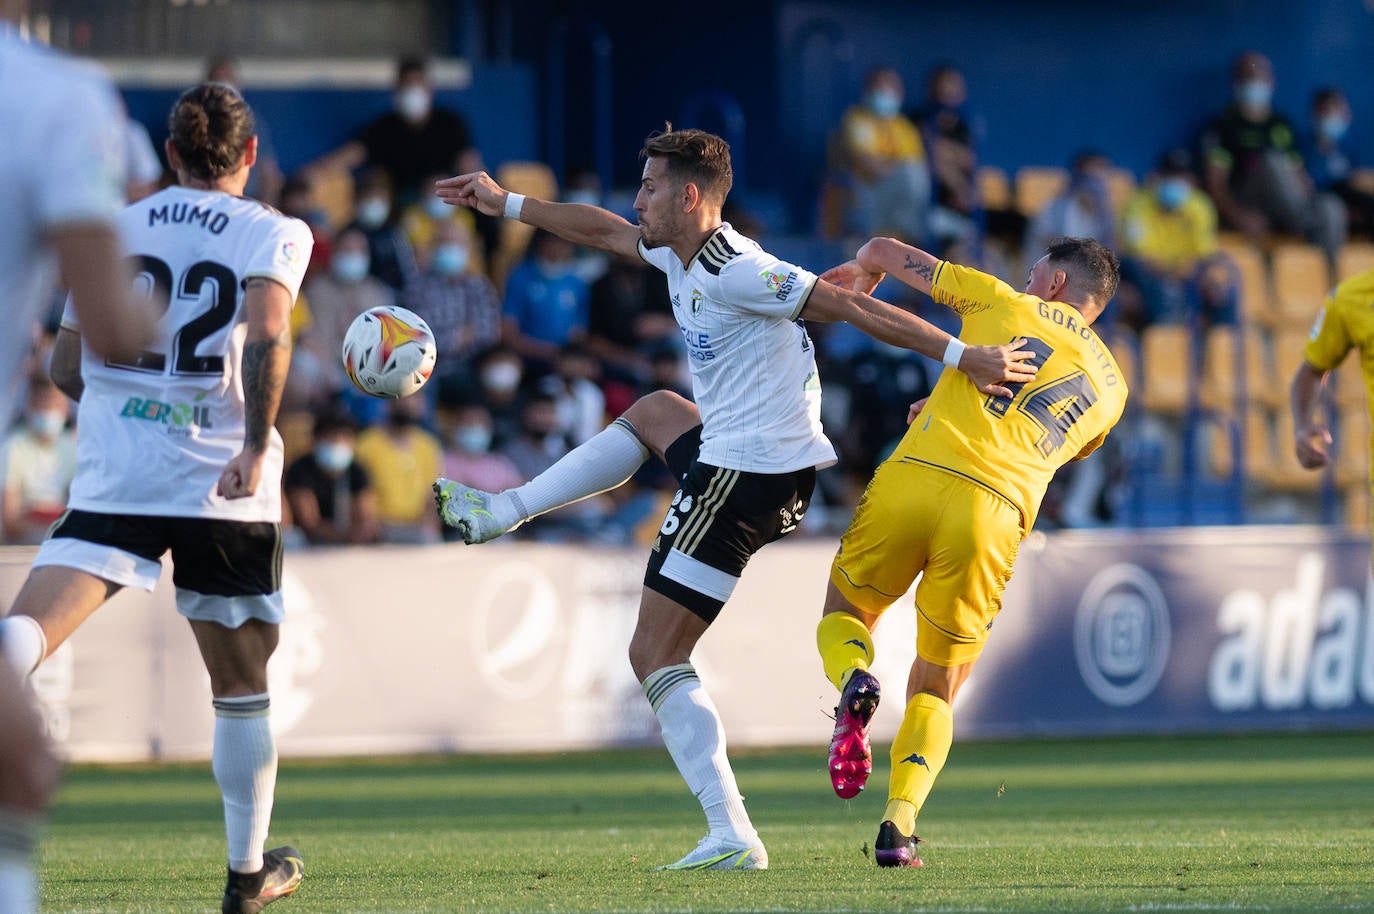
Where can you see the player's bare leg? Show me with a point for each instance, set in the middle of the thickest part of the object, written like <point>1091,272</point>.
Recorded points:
<point>660,654</point>
<point>245,762</point>
<point>52,604</point>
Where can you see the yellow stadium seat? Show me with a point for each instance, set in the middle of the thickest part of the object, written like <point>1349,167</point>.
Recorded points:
<point>1221,380</point>
<point>534,179</point>
<point>1301,282</point>
<point>1354,258</point>
<point>1284,473</point>
<point>1289,343</point>
<point>1121,183</point>
<point>1356,499</point>
<point>1352,446</point>
<point>994,187</point>
<point>1254,439</point>
<point>1254,278</point>
<point>1350,383</point>
<point>332,191</point>
<point>1037,185</point>
<point>1166,359</point>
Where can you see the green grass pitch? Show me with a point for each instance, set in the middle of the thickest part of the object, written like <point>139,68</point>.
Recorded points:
<point>1257,823</point>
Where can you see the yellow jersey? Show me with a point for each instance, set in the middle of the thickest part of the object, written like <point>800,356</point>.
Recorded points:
<point>1347,322</point>
<point>1014,446</point>
<point>1176,238</point>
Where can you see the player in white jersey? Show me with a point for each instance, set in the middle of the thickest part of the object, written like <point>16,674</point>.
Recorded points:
<point>62,158</point>
<point>746,452</point>
<point>176,451</point>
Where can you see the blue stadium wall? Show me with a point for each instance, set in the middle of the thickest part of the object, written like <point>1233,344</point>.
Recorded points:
<point>1130,78</point>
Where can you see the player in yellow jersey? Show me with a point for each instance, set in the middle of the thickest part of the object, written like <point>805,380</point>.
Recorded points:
<point>1346,323</point>
<point>955,500</point>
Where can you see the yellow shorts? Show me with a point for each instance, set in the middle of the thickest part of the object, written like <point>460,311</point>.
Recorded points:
<point>915,518</point>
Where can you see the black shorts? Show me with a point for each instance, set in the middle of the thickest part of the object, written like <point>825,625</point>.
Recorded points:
<point>213,557</point>
<point>718,519</point>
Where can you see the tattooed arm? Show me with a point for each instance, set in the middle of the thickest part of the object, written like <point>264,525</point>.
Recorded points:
<point>266,357</point>
<point>912,266</point>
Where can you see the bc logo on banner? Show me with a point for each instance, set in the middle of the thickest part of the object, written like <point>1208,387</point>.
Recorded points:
<point>1121,635</point>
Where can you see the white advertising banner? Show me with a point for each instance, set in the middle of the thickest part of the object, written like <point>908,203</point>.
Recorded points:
<point>516,646</point>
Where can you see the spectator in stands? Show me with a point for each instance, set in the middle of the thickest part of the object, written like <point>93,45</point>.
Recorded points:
<point>950,135</point>
<point>1083,210</point>
<point>466,426</point>
<point>581,405</point>
<point>500,376</point>
<point>420,219</point>
<point>629,316</point>
<point>540,444</point>
<point>390,256</point>
<point>330,494</point>
<point>886,162</point>
<point>1253,170</point>
<point>298,200</point>
<point>1332,158</point>
<point>39,464</point>
<point>546,303</point>
<point>1171,271</point>
<point>266,179</point>
<point>457,301</point>
<point>403,460</point>
<point>336,297</point>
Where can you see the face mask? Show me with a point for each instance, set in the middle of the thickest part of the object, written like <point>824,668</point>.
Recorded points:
<point>1254,94</point>
<point>1172,192</point>
<point>349,267</point>
<point>333,456</point>
<point>502,377</point>
<point>472,438</point>
<point>437,209</point>
<point>412,103</point>
<point>373,211</point>
<point>1333,126</point>
<point>47,424</point>
<point>450,259</point>
<point>884,103</point>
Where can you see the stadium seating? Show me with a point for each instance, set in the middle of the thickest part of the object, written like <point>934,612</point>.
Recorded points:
<point>1166,355</point>
<point>1354,258</point>
<point>1300,283</point>
<point>1121,183</point>
<point>1254,277</point>
<point>994,187</point>
<point>1235,371</point>
<point>1037,185</point>
<point>534,179</point>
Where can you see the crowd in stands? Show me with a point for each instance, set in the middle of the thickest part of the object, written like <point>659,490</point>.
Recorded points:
<point>1227,248</point>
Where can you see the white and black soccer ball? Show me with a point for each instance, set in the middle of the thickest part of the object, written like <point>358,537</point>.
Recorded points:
<point>389,352</point>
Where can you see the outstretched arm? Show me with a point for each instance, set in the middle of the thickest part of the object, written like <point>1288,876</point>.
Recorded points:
<point>1311,437</point>
<point>581,224</point>
<point>989,367</point>
<point>911,265</point>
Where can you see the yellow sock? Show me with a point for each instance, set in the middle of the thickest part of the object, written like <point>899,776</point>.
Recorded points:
<point>918,753</point>
<point>845,644</point>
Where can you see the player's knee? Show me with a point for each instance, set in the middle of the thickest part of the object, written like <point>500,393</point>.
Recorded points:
<point>661,417</point>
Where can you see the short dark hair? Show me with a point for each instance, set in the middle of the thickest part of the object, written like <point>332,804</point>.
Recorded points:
<point>336,419</point>
<point>1092,268</point>
<point>693,155</point>
<point>210,126</point>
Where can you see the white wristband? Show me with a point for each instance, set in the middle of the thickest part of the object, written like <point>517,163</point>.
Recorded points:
<point>514,203</point>
<point>953,352</point>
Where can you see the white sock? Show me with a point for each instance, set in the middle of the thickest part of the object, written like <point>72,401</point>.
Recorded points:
<point>18,885</point>
<point>603,461</point>
<point>245,764</point>
<point>24,644</point>
<point>696,740</point>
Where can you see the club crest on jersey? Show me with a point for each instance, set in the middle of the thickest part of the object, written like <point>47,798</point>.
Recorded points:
<point>697,300</point>
<point>780,284</point>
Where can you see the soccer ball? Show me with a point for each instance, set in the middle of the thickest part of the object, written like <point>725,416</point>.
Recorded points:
<point>388,352</point>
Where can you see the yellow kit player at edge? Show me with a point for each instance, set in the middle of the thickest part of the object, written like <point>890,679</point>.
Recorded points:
<point>956,498</point>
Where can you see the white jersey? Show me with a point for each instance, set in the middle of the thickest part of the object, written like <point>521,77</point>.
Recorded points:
<point>62,157</point>
<point>753,367</point>
<point>155,433</point>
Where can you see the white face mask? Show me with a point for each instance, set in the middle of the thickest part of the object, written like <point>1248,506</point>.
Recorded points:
<point>501,377</point>
<point>412,103</point>
<point>348,266</point>
<point>373,211</point>
<point>475,439</point>
<point>437,209</point>
<point>334,456</point>
<point>47,424</point>
<point>450,259</point>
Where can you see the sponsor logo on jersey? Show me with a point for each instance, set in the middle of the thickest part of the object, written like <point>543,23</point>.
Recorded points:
<point>780,284</point>
<point>178,417</point>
